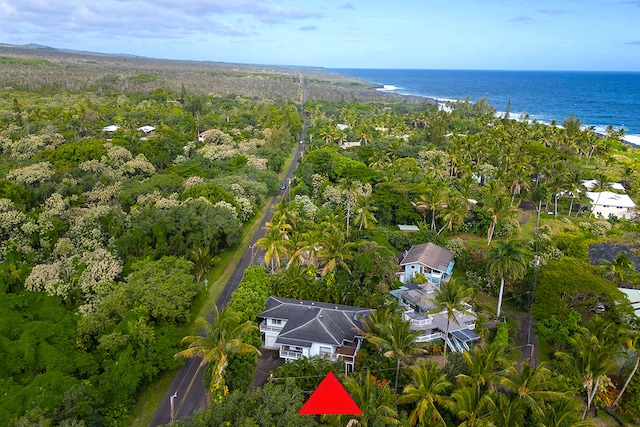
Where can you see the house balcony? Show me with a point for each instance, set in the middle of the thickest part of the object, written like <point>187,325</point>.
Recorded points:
<point>270,328</point>
<point>290,355</point>
<point>418,322</point>
<point>347,354</point>
<point>430,337</point>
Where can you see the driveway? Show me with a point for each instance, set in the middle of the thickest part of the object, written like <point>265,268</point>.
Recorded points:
<point>267,362</point>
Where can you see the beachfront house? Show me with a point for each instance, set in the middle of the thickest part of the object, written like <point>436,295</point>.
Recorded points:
<point>307,328</point>
<point>428,259</point>
<point>417,301</point>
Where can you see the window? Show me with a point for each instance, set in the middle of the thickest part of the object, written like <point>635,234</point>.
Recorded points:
<point>324,350</point>
<point>276,321</point>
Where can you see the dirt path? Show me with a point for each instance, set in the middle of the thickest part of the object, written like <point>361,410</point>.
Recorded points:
<point>525,337</point>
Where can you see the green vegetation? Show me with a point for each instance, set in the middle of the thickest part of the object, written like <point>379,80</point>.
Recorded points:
<point>106,238</point>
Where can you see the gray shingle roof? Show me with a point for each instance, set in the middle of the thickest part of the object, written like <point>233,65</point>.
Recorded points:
<point>309,321</point>
<point>430,255</point>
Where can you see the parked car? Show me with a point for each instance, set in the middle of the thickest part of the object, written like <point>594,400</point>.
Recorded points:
<point>283,186</point>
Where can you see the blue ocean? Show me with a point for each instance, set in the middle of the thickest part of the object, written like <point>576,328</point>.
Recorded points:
<point>597,99</point>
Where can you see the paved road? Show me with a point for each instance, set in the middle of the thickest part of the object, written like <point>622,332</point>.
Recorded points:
<point>187,384</point>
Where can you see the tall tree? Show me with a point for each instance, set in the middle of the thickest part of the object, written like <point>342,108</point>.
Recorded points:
<point>632,349</point>
<point>201,261</point>
<point>392,336</point>
<point>499,208</point>
<point>506,260</point>
<point>224,336</point>
<point>484,367</point>
<point>428,390</point>
<point>532,387</point>
<point>335,251</point>
<point>588,361</point>
<point>451,298</point>
<point>274,243</point>
<point>472,406</point>
<point>373,397</point>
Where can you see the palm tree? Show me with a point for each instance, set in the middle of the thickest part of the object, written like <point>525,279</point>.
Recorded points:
<point>507,262</point>
<point>601,184</point>
<point>484,365</point>
<point>274,243</point>
<point>588,362</point>
<point>201,261</point>
<point>374,399</point>
<point>473,406</point>
<point>498,207</point>
<point>506,412</point>
<point>335,251</point>
<point>563,412</point>
<point>454,212</point>
<point>434,199</point>
<point>632,347</point>
<point>531,386</point>
<point>451,298</point>
<point>428,390</point>
<point>619,266</point>
<point>392,336</point>
<point>364,215</point>
<point>222,337</point>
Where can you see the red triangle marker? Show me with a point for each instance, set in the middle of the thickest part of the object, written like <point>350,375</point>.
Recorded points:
<point>330,398</point>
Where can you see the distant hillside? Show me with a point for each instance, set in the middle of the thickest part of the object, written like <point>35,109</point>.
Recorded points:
<point>38,67</point>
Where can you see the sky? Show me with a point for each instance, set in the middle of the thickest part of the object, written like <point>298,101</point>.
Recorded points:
<point>411,34</point>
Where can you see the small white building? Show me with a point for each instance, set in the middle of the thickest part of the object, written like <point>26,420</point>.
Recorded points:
<point>147,128</point>
<point>607,204</point>
<point>308,328</point>
<point>110,128</point>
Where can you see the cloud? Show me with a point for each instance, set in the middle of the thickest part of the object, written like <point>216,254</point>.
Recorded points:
<point>631,2</point>
<point>167,19</point>
<point>551,11</point>
<point>522,18</point>
<point>308,28</point>
<point>634,42</point>
<point>346,6</point>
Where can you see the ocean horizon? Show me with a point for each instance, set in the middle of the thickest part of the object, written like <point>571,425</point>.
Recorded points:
<point>597,98</point>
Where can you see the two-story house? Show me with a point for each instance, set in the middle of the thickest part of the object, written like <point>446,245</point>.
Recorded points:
<point>429,259</point>
<point>436,265</point>
<point>308,328</point>
<point>417,300</point>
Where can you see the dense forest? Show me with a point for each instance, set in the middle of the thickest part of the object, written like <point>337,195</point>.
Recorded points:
<point>107,235</point>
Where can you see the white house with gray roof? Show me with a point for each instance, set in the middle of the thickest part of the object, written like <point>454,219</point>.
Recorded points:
<point>308,328</point>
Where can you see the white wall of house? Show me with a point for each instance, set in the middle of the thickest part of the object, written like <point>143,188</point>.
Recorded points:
<point>318,349</point>
<point>410,271</point>
<point>271,330</point>
<point>617,211</point>
<point>607,204</point>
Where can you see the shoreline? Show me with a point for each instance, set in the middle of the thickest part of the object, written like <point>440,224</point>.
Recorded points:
<point>384,82</point>
<point>631,139</point>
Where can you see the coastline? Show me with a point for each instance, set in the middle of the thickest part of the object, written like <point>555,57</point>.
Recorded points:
<point>551,100</point>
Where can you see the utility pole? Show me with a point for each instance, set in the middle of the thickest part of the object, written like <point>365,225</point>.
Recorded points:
<point>173,413</point>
